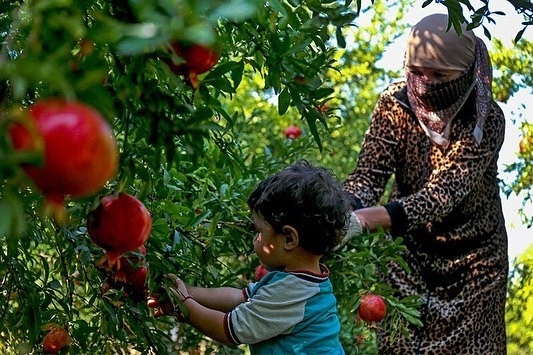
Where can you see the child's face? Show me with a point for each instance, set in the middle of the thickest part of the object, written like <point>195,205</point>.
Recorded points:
<point>268,244</point>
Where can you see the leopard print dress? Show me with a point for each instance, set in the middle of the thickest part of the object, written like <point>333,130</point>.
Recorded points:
<point>446,205</point>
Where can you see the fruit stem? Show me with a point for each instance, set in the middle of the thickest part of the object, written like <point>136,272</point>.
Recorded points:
<point>54,206</point>
<point>110,261</point>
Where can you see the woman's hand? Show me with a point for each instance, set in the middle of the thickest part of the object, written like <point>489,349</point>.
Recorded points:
<point>355,228</point>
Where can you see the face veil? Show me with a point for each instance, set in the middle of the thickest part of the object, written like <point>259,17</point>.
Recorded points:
<point>432,45</point>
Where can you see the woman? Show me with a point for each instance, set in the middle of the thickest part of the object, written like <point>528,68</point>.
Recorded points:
<point>439,133</point>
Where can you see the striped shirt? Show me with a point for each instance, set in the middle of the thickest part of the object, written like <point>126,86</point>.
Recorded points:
<point>287,313</point>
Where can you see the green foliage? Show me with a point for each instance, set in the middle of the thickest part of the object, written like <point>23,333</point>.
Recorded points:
<point>478,16</point>
<point>519,309</point>
<point>523,168</point>
<point>511,66</point>
<point>191,155</point>
<point>512,73</point>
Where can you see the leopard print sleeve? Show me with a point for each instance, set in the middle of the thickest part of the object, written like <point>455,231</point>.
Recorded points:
<point>431,186</point>
<point>374,167</point>
<point>465,174</point>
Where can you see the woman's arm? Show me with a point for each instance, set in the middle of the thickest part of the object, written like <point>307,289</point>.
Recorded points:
<point>372,218</point>
<point>376,159</point>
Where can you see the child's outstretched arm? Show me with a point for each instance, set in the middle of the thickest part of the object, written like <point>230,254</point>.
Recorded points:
<point>223,299</point>
<point>206,307</point>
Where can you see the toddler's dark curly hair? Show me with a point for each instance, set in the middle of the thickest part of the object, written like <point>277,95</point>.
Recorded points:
<point>308,198</point>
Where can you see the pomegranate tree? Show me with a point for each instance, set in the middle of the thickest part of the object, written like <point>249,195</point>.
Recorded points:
<point>79,151</point>
<point>121,223</point>
<point>372,308</point>
<point>56,339</point>
<point>293,132</point>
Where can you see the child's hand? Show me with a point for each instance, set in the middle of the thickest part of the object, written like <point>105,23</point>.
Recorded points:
<point>182,288</point>
<point>168,300</point>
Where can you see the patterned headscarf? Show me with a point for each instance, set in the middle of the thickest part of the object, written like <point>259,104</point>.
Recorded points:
<point>435,105</point>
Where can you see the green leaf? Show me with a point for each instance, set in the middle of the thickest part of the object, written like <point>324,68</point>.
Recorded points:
<point>46,269</point>
<point>519,35</point>
<point>12,220</point>
<point>314,131</point>
<point>341,41</point>
<point>5,218</point>
<point>199,219</point>
<point>176,238</point>
<point>322,93</point>
<point>413,320</point>
<point>284,100</point>
<point>236,73</point>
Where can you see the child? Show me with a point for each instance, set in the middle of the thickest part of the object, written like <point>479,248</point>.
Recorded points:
<point>300,214</point>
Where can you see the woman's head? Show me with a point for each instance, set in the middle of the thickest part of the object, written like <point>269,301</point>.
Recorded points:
<point>432,44</point>
<point>306,198</point>
<point>443,69</point>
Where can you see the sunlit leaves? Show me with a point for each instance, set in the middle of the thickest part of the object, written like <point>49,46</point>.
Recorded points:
<point>519,309</point>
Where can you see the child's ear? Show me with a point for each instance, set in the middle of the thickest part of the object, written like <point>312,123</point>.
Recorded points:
<point>291,237</point>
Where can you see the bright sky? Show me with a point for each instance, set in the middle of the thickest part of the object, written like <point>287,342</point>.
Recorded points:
<point>506,28</point>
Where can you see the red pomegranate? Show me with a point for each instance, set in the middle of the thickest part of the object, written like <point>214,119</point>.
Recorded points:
<point>137,278</point>
<point>79,149</point>
<point>293,132</point>
<point>55,340</point>
<point>132,283</point>
<point>130,277</point>
<point>260,272</point>
<point>197,59</point>
<point>372,308</point>
<point>121,223</point>
<point>130,264</point>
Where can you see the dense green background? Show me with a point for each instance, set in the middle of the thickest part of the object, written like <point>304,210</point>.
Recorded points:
<point>192,156</point>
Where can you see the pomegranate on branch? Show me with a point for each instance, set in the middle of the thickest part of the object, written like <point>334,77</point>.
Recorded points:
<point>293,132</point>
<point>130,276</point>
<point>78,149</point>
<point>197,59</point>
<point>56,339</point>
<point>121,223</point>
<point>372,308</point>
<point>191,59</point>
